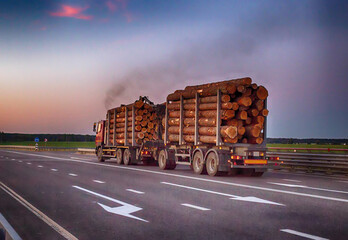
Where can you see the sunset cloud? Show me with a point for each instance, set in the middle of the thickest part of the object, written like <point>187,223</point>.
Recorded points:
<point>111,6</point>
<point>72,12</point>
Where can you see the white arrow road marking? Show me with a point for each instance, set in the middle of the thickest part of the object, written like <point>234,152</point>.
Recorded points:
<point>291,180</point>
<point>303,234</point>
<point>73,174</point>
<point>233,197</point>
<point>54,170</point>
<point>302,186</point>
<point>195,207</point>
<point>98,181</point>
<point>135,191</point>
<point>125,210</point>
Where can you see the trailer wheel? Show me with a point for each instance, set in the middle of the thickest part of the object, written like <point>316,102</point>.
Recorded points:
<point>162,160</point>
<point>119,154</point>
<point>212,164</point>
<point>126,157</point>
<point>198,163</point>
<point>100,155</point>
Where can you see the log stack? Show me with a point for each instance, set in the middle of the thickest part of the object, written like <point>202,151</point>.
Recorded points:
<point>242,112</point>
<point>146,123</point>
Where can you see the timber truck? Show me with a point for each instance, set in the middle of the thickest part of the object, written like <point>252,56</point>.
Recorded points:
<point>214,128</point>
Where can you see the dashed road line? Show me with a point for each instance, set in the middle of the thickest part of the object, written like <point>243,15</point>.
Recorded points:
<point>40,166</point>
<point>291,180</point>
<point>195,207</point>
<point>135,191</point>
<point>73,174</point>
<point>20,161</point>
<point>54,170</point>
<point>29,163</point>
<point>98,181</point>
<point>13,159</point>
<point>306,187</point>
<point>343,181</point>
<point>301,234</point>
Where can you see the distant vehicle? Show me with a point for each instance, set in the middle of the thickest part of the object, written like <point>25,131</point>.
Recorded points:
<point>215,128</point>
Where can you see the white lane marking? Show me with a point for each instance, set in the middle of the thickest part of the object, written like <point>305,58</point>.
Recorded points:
<point>301,234</point>
<point>190,177</point>
<point>135,191</point>
<point>73,174</point>
<point>13,159</point>
<point>20,161</point>
<point>98,181</point>
<point>343,181</point>
<point>6,157</point>
<point>302,186</point>
<point>38,213</point>
<point>29,163</point>
<point>233,197</point>
<point>291,180</point>
<point>125,210</point>
<point>40,166</point>
<point>80,158</point>
<point>195,207</point>
<point>54,170</point>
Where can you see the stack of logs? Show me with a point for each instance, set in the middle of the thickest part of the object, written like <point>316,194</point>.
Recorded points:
<point>145,127</point>
<point>242,112</point>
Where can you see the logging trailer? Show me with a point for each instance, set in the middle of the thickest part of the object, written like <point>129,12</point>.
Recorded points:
<point>144,132</point>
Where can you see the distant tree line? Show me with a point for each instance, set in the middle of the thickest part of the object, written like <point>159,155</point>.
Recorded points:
<point>334,141</point>
<point>19,137</point>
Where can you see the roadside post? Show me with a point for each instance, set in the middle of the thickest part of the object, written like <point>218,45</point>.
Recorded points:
<point>45,141</point>
<point>37,144</point>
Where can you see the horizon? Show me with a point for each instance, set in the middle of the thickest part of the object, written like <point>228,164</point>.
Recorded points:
<point>64,63</point>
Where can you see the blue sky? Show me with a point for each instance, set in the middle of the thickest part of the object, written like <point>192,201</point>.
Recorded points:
<point>61,62</point>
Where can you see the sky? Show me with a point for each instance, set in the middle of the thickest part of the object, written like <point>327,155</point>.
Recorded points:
<point>64,63</point>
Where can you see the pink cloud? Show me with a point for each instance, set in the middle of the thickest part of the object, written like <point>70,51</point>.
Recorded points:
<point>129,17</point>
<point>72,12</point>
<point>111,6</point>
<point>44,28</point>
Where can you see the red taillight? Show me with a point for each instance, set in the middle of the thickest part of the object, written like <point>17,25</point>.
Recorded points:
<point>277,158</point>
<point>236,157</point>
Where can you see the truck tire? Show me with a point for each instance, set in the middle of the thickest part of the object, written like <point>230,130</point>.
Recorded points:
<point>126,157</point>
<point>198,163</point>
<point>212,164</point>
<point>162,160</point>
<point>100,155</point>
<point>119,156</point>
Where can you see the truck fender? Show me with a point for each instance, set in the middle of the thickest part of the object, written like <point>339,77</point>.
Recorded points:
<point>197,150</point>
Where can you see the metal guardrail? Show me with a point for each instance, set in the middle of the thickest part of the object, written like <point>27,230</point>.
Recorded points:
<point>6,230</point>
<point>313,162</point>
<point>308,149</point>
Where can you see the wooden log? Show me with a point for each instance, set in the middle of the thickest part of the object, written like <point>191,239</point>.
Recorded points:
<point>257,140</point>
<point>247,92</point>
<point>203,106</point>
<point>242,81</point>
<point>258,120</point>
<point>232,122</point>
<point>244,101</point>
<point>137,128</point>
<point>244,140</point>
<point>226,131</point>
<point>243,115</point>
<point>241,88</point>
<point>229,140</point>
<point>252,130</point>
<point>138,104</point>
<point>254,86</point>
<point>262,92</point>
<point>225,114</point>
<point>241,130</point>
<point>264,112</point>
<point>253,112</point>
<point>259,104</point>
<point>203,122</point>
<point>235,106</point>
<point>190,138</point>
<point>119,130</point>
<point>248,121</point>
<point>122,114</point>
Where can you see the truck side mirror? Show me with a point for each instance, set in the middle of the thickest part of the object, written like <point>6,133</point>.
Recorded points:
<point>94,127</point>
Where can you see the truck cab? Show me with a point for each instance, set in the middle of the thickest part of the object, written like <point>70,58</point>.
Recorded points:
<point>99,129</point>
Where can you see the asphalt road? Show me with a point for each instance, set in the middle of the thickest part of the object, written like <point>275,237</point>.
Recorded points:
<point>60,195</point>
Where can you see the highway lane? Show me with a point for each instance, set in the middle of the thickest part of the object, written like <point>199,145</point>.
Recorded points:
<point>82,197</point>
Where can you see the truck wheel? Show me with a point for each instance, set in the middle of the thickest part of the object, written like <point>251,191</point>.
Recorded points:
<point>100,155</point>
<point>162,160</point>
<point>119,156</point>
<point>198,163</point>
<point>212,164</point>
<point>126,157</point>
